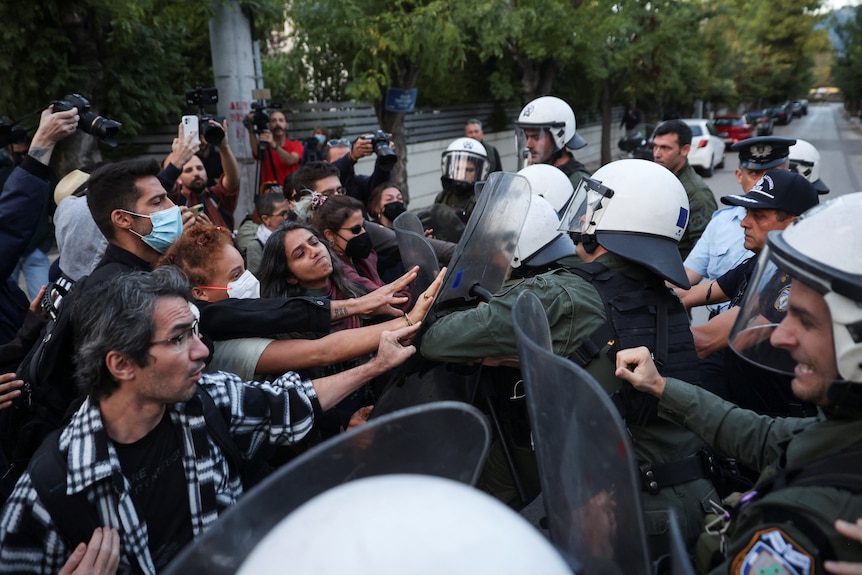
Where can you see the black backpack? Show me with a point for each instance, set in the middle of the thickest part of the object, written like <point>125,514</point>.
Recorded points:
<point>49,395</point>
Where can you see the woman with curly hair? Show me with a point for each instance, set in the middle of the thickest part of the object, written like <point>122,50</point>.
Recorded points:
<point>245,330</point>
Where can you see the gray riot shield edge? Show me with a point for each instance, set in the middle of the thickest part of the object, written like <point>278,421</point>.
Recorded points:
<point>483,255</point>
<point>586,463</point>
<point>444,439</point>
<point>415,251</point>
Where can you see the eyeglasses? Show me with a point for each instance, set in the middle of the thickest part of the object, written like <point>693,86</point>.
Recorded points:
<point>282,214</point>
<point>183,340</point>
<point>339,142</point>
<point>355,230</point>
<point>339,191</point>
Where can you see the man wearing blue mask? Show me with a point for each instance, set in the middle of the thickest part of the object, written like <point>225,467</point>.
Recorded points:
<point>133,211</point>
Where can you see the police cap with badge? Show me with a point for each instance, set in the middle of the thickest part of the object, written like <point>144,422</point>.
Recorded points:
<point>778,190</point>
<point>763,152</point>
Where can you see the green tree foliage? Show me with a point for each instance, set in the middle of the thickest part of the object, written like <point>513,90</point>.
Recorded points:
<point>382,45</point>
<point>132,59</point>
<point>773,48</point>
<point>847,71</point>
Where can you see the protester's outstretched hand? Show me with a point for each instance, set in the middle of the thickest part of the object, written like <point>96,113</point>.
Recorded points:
<point>382,300</point>
<point>101,556</point>
<point>395,348</point>
<point>424,302</point>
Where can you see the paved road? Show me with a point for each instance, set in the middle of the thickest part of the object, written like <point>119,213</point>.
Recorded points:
<point>838,140</point>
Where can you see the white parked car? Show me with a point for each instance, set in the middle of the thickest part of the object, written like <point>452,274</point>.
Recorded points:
<point>707,149</point>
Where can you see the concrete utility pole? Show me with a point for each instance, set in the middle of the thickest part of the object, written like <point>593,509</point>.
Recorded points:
<point>233,68</point>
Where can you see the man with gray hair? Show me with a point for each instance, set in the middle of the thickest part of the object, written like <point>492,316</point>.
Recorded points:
<point>146,439</point>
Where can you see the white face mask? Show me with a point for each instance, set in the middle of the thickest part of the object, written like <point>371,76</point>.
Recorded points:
<point>246,286</point>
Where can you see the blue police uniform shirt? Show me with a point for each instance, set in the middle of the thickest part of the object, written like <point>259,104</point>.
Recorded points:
<point>720,248</point>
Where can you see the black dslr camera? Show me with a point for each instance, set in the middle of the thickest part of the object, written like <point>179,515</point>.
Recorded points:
<point>201,97</point>
<point>380,141</point>
<point>260,119</point>
<point>91,123</point>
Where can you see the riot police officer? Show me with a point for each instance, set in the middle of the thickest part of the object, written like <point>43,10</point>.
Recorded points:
<point>464,163</point>
<point>626,223</point>
<point>546,132</point>
<point>810,468</point>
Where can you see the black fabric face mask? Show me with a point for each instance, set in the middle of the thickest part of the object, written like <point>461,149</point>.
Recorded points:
<point>393,209</point>
<point>358,247</point>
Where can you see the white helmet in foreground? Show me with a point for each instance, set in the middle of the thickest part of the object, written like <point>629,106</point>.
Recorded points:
<point>550,183</point>
<point>415,524</point>
<point>636,209</point>
<point>541,242</point>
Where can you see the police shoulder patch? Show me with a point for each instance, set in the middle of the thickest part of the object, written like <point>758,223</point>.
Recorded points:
<point>772,551</point>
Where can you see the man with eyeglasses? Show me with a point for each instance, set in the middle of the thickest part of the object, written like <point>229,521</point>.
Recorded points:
<point>273,210</point>
<point>143,455</point>
<point>344,155</point>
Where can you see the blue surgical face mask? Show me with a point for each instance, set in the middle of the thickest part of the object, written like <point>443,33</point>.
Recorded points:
<point>167,228</point>
<point>320,139</point>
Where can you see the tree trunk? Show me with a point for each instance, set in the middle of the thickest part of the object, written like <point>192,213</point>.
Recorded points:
<point>393,123</point>
<point>606,122</point>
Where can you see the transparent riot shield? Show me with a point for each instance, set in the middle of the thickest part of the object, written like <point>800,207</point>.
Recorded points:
<point>477,269</point>
<point>586,464</point>
<point>481,260</point>
<point>445,439</point>
<point>416,251</point>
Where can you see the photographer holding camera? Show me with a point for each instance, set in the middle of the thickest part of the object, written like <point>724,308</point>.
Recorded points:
<point>22,203</point>
<point>344,156</point>
<point>192,187</point>
<point>278,156</point>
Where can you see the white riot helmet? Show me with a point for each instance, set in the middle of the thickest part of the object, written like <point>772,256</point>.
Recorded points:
<point>541,242</point>
<point>550,183</point>
<point>405,524</point>
<point>465,162</point>
<point>806,252</point>
<point>636,209</point>
<point>555,116</point>
<point>805,160</point>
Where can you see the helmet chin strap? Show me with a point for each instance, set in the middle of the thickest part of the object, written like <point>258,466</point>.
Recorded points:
<point>456,187</point>
<point>589,242</point>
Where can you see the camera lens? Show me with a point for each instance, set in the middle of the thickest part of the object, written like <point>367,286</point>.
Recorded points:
<point>103,128</point>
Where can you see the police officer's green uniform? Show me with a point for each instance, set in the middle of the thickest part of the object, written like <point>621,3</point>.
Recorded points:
<point>575,311</point>
<point>787,529</point>
<point>701,203</point>
<point>575,170</point>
